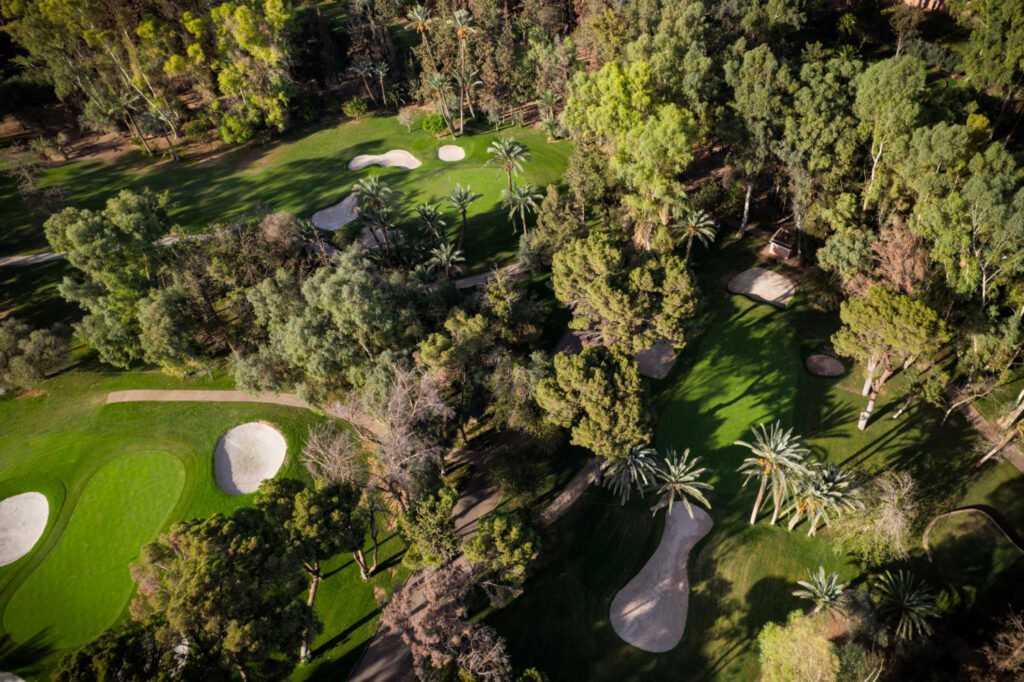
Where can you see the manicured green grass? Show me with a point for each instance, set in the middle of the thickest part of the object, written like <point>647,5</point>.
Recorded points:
<point>306,171</point>
<point>80,588</point>
<point>61,441</point>
<point>746,368</point>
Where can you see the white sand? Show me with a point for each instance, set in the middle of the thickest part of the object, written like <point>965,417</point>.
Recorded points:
<point>650,611</point>
<point>657,361</point>
<point>336,216</point>
<point>247,455</point>
<point>10,677</point>
<point>451,152</point>
<point>22,522</point>
<point>395,157</point>
<point>764,285</point>
<point>824,366</point>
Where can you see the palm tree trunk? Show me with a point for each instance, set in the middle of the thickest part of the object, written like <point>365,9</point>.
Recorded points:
<point>757,502</point>
<point>813,530</point>
<point>430,53</point>
<point>689,245</point>
<point>522,217</point>
<point>775,512</point>
<point>462,232</point>
<point>383,95</point>
<point>132,125</point>
<point>508,172</point>
<point>797,515</point>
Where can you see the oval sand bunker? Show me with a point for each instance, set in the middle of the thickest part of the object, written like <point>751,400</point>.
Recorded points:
<point>451,152</point>
<point>247,455</point>
<point>22,522</point>
<point>650,611</point>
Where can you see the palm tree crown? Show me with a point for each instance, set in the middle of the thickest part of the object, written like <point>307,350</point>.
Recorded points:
<point>907,602</point>
<point>679,478</point>
<point>636,469</point>
<point>826,489</point>
<point>697,225</point>
<point>778,456</point>
<point>432,220</point>
<point>510,154</point>
<point>446,258</point>
<point>461,197</point>
<point>824,589</point>
<point>519,199</point>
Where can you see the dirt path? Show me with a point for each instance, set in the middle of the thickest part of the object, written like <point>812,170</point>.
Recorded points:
<point>572,491</point>
<point>965,510</point>
<point>1011,452</point>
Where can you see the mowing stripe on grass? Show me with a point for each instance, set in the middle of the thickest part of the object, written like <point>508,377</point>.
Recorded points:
<point>81,588</point>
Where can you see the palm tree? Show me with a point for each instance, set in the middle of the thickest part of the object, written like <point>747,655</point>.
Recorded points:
<point>364,70</point>
<point>467,81</point>
<point>380,70</point>
<point>679,478</point>
<point>432,220</point>
<point>462,22</point>
<point>547,102</point>
<point>446,258</point>
<point>519,199</point>
<point>824,589</point>
<point>510,154</point>
<point>438,85</point>
<point>374,207</point>
<point>636,469</point>
<point>461,197</point>
<point>778,457</point>
<point>825,489</point>
<point>905,601</point>
<point>697,225</point>
<point>420,19</point>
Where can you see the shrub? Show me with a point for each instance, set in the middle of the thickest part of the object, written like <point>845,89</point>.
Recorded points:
<point>235,130</point>
<point>407,116</point>
<point>355,107</point>
<point>196,129</point>
<point>27,355</point>
<point>433,124</point>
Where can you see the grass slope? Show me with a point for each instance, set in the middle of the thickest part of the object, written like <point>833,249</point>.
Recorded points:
<point>303,172</point>
<point>80,588</point>
<point>61,441</point>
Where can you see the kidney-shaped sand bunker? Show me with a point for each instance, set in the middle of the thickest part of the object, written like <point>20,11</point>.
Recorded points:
<point>22,522</point>
<point>247,455</point>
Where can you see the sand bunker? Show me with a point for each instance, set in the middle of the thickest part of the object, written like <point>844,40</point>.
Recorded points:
<point>246,456</point>
<point>395,157</point>
<point>22,522</point>
<point>650,611</point>
<point>10,677</point>
<point>824,366</point>
<point>336,216</point>
<point>764,285</point>
<point>451,152</point>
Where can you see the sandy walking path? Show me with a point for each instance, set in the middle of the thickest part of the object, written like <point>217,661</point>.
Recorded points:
<point>650,611</point>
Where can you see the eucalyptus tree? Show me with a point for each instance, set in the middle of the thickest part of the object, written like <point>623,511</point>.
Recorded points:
<point>460,198</point>
<point>520,199</point>
<point>778,458</point>
<point>827,489</point>
<point>824,590</point>
<point>637,469</point>
<point>510,154</point>
<point>679,478</point>
<point>905,602</point>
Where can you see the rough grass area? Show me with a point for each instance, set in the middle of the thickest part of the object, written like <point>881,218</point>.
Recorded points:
<point>301,173</point>
<point>82,454</point>
<point>746,368</point>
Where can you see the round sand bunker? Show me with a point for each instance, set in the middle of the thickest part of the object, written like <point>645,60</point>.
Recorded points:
<point>396,157</point>
<point>451,152</point>
<point>22,522</point>
<point>824,366</point>
<point>247,455</point>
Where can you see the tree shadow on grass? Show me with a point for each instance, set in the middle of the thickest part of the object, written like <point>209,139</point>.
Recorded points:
<point>344,634</point>
<point>24,657</point>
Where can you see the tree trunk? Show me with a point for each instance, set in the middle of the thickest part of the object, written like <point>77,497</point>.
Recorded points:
<point>383,95</point>
<point>314,583</point>
<point>689,245</point>
<point>1000,445</point>
<point>871,181</point>
<point>508,172</point>
<point>430,53</point>
<point>872,396</point>
<point>369,90</point>
<point>170,145</point>
<point>746,208</point>
<point>907,402</point>
<point>872,366</point>
<point>1014,414</point>
<point>462,232</point>
<point>797,515</point>
<point>757,502</point>
<point>360,560</point>
<point>242,672</point>
<point>133,126</point>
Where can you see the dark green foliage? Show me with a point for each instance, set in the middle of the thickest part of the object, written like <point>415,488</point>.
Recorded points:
<point>429,527</point>
<point>27,355</point>
<point>433,124</point>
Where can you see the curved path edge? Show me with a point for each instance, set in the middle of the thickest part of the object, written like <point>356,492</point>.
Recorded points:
<point>965,510</point>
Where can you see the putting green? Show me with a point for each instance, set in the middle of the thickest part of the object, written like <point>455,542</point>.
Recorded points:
<point>82,586</point>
